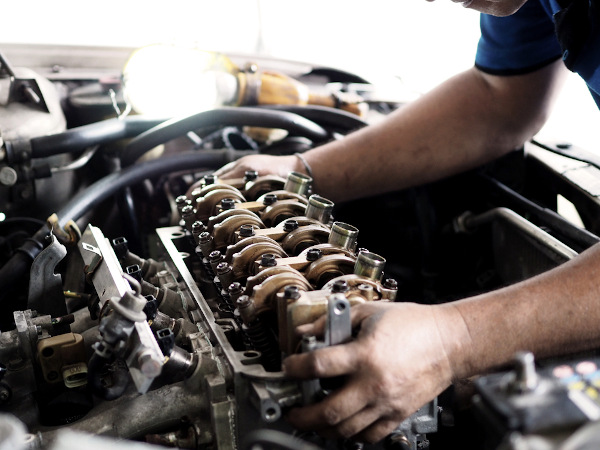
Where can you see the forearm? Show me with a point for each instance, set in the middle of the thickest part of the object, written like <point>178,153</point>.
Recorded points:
<point>467,121</point>
<point>551,314</point>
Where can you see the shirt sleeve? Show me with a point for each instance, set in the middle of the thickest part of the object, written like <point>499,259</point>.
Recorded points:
<point>517,44</point>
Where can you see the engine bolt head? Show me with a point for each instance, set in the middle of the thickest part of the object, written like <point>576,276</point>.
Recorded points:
<point>205,237</point>
<point>187,211</point>
<point>268,260</point>
<point>197,227</point>
<point>227,203</point>
<point>390,283</point>
<point>209,179</point>
<point>313,254</point>
<point>250,175</point>
<point>214,256</point>
<point>290,225</point>
<point>223,268</point>
<point>243,301</point>
<point>291,292</point>
<point>339,286</point>
<point>182,200</point>
<point>246,230</point>
<point>235,288</point>
<point>269,199</point>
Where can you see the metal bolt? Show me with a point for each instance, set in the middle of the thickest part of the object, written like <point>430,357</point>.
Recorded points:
<point>187,211</point>
<point>268,260</point>
<point>246,230</point>
<point>313,254</point>
<point>269,199</point>
<point>339,286</point>
<point>8,176</point>
<point>197,227</point>
<point>291,293</point>
<point>250,175</point>
<point>149,366</point>
<point>390,283</point>
<point>215,256</point>
<point>223,268</point>
<point>235,288</point>
<point>290,225</point>
<point>243,302</point>
<point>205,237</point>
<point>182,201</point>
<point>227,203</point>
<point>210,179</point>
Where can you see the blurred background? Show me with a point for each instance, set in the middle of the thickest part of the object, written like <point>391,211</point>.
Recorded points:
<point>420,42</point>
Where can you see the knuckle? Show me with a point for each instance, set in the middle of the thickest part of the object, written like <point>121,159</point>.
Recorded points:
<point>331,416</point>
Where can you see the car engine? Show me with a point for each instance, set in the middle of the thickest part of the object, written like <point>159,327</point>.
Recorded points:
<point>145,301</point>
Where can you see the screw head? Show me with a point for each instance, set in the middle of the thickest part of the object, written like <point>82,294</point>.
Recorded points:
<point>246,230</point>
<point>290,225</point>
<point>269,199</point>
<point>250,175</point>
<point>390,283</point>
<point>291,292</point>
<point>313,254</point>
<point>227,203</point>
<point>210,179</point>
<point>268,260</point>
<point>339,286</point>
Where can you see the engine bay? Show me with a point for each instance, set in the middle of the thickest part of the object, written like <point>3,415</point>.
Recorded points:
<point>147,301</point>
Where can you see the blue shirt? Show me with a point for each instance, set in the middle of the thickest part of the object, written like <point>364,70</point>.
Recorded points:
<point>539,33</point>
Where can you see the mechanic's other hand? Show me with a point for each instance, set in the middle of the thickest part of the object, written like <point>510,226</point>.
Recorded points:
<point>263,164</point>
<point>396,364</point>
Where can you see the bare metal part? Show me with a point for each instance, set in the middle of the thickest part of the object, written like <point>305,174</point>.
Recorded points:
<point>224,233</point>
<point>282,210</point>
<point>45,286</point>
<point>267,183</point>
<point>298,183</point>
<point>243,262</point>
<point>369,265</point>
<point>356,288</point>
<point>328,267</point>
<point>219,218</point>
<point>209,204</point>
<point>319,208</point>
<point>198,190</point>
<point>338,329</point>
<point>101,265</point>
<point>303,237</point>
<point>343,235</point>
<point>285,195</point>
<point>265,293</point>
<point>240,245</point>
<point>467,222</point>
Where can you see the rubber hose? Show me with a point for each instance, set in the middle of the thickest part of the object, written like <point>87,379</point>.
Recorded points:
<point>257,117</point>
<point>87,199</point>
<point>98,133</point>
<point>323,115</point>
<point>120,378</point>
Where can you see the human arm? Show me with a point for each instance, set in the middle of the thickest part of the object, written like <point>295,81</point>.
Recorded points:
<point>469,120</point>
<point>405,354</point>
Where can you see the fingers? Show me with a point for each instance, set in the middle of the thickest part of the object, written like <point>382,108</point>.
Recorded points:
<point>228,169</point>
<point>322,363</point>
<point>344,412</point>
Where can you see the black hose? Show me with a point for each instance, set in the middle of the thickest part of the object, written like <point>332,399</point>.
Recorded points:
<point>222,116</point>
<point>19,263</point>
<point>97,365</point>
<point>325,116</point>
<point>98,133</point>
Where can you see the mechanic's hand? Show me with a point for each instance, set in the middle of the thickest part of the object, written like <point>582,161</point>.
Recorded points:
<point>396,364</point>
<point>263,164</point>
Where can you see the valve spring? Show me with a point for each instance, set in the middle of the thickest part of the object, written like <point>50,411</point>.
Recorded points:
<point>261,341</point>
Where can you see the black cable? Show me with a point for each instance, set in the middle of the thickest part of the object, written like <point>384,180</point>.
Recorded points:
<point>97,133</point>
<point>325,116</point>
<point>249,116</point>
<point>19,263</point>
<point>104,188</point>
